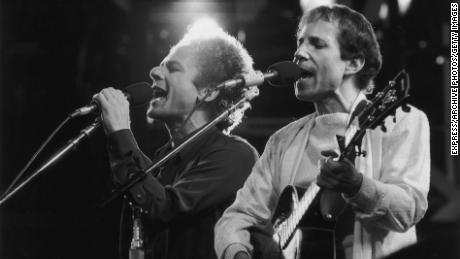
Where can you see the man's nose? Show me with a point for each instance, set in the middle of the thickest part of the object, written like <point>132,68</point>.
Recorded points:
<point>300,55</point>
<point>156,74</point>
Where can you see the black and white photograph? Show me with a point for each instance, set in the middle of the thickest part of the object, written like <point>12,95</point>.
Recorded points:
<point>236,129</point>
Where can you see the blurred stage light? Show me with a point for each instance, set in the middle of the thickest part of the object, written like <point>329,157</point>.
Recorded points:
<point>204,28</point>
<point>383,12</point>
<point>180,13</point>
<point>422,44</point>
<point>307,5</point>
<point>241,36</point>
<point>164,34</point>
<point>403,6</point>
<point>440,60</point>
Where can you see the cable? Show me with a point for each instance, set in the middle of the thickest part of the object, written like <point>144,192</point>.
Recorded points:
<point>198,104</point>
<point>35,156</point>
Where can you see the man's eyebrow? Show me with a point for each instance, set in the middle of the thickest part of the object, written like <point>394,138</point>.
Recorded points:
<point>311,39</point>
<point>316,39</point>
<point>171,63</point>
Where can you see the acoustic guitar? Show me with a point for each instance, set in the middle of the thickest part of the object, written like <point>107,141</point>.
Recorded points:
<point>305,220</point>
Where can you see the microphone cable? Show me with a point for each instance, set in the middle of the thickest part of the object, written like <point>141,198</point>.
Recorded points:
<point>189,115</point>
<point>32,159</point>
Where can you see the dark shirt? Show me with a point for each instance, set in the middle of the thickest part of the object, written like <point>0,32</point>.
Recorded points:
<point>182,205</point>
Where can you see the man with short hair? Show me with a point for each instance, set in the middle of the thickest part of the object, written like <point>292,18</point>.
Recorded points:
<point>181,205</point>
<point>386,191</point>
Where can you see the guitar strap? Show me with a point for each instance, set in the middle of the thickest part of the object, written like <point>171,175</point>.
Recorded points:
<point>344,231</point>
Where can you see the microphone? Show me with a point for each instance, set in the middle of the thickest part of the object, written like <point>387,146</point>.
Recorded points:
<point>137,94</point>
<point>279,74</point>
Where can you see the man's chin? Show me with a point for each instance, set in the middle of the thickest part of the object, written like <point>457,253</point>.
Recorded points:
<point>306,96</point>
<point>150,120</point>
<point>303,98</point>
<point>302,94</point>
<point>152,115</point>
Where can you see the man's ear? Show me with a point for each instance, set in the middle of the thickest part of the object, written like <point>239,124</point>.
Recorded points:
<point>209,94</point>
<point>354,65</point>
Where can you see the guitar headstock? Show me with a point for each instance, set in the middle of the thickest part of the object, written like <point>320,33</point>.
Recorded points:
<point>374,112</point>
<point>385,102</point>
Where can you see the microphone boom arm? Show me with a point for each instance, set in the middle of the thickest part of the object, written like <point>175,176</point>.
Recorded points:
<point>71,145</point>
<point>249,79</point>
<point>248,95</point>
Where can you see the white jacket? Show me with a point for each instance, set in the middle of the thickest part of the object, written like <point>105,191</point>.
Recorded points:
<point>391,200</point>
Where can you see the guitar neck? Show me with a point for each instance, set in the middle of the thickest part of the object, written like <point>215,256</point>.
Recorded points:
<point>369,116</point>
<point>287,228</point>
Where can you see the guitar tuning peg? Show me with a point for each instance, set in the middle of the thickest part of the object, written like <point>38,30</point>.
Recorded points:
<point>405,107</point>
<point>361,152</point>
<point>394,119</point>
<point>382,126</point>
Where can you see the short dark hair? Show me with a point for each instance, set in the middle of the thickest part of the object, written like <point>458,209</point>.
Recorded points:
<point>219,57</point>
<point>356,38</point>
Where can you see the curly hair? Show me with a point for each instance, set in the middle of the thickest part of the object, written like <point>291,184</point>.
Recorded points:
<point>356,38</point>
<point>219,57</point>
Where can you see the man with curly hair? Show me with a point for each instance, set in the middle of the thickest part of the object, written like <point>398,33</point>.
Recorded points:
<point>385,192</point>
<point>181,204</point>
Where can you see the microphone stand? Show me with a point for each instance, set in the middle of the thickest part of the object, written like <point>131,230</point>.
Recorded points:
<point>136,250</point>
<point>71,145</point>
<point>248,95</point>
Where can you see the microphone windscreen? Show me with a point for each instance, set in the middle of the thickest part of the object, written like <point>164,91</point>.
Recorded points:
<point>288,73</point>
<point>138,93</point>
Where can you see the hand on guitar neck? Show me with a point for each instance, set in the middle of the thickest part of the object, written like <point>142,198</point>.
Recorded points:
<point>339,176</point>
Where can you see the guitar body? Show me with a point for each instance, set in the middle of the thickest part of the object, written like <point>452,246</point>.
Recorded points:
<point>314,236</point>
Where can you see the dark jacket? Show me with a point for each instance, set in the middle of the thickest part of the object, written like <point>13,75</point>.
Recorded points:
<point>182,204</point>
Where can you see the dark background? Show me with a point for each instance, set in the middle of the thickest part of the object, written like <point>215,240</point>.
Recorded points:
<point>56,54</point>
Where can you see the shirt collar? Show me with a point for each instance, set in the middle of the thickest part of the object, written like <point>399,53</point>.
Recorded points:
<point>190,149</point>
<point>356,108</point>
